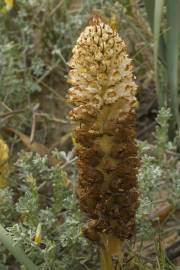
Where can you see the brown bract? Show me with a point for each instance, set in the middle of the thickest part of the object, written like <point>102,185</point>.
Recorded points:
<point>103,94</point>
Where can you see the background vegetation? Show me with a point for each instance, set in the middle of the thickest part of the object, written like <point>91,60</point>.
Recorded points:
<point>38,206</point>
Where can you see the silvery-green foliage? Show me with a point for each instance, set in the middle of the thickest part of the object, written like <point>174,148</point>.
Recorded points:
<point>161,133</point>
<point>42,197</point>
<point>149,177</point>
<point>159,171</point>
<point>167,155</point>
<point>6,202</point>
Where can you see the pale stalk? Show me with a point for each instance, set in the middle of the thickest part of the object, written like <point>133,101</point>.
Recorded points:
<point>112,253</point>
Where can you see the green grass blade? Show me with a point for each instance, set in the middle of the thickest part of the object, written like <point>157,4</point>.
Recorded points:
<point>15,250</point>
<point>150,6</point>
<point>173,37</point>
<point>157,26</point>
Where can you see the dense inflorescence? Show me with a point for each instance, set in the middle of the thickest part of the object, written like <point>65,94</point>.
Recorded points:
<point>103,94</point>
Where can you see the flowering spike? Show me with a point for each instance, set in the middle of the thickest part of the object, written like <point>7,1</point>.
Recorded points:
<point>103,94</point>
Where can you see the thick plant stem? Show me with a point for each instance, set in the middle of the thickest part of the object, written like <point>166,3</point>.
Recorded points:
<point>111,253</point>
<point>15,250</point>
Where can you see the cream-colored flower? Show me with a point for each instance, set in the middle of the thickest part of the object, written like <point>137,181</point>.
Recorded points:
<point>100,59</point>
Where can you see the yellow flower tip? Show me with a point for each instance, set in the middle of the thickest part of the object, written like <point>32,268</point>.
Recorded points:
<point>3,182</point>
<point>38,236</point>
<point>4,168</point>
<point>73,140</point>
<point>9,4</point>
<point>4,150</point>
<point>38,239</point>
<point>113,22</point>
<point>31,180</point>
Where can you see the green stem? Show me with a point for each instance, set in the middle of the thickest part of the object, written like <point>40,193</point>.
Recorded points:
<point>15,250</point>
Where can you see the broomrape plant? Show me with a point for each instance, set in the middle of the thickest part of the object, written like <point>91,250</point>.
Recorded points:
<point>103,93</point>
